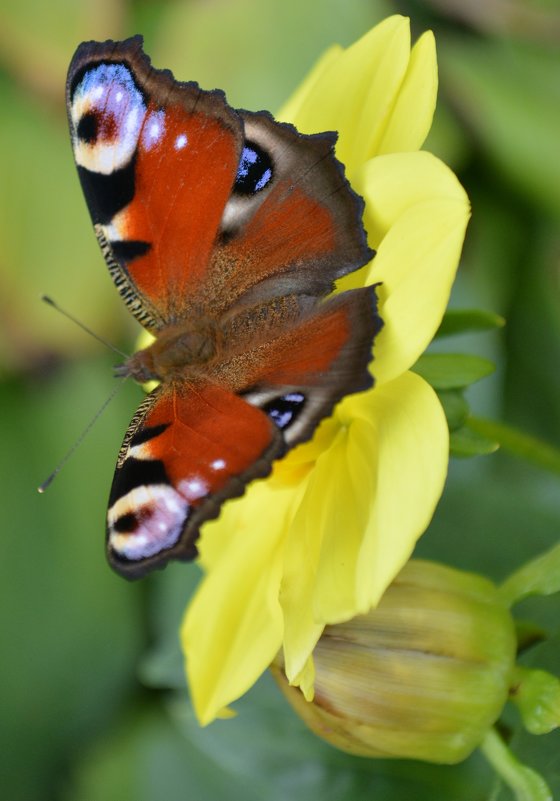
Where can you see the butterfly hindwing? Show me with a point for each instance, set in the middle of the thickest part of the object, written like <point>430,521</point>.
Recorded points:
<point>312,365</point>
<point>187,449</point>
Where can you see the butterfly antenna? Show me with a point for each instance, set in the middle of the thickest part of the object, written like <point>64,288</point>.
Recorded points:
<point>48,481</point>
<point>55,305</point>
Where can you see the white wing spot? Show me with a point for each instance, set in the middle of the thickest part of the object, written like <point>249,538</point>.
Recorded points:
<point>154,129</point>
<point>218,464</point>
<point>193,488</point>
<point>181,141</point>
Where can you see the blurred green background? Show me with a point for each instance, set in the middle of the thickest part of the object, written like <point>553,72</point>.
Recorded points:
<point>93,701</point>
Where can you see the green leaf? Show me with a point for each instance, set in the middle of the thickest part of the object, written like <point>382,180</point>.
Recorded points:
<point>465,443</point>
<point>452,370</point>
<point>519,444</point>
<point>461,321</point>
<point>455,407</point>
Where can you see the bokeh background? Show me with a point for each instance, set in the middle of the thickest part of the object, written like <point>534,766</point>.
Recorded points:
<point>93,702</point>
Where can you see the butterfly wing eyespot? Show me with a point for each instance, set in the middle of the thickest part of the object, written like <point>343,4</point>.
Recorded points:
<point>285,409</point>
<point>107,113</point>
<point>255,170</point>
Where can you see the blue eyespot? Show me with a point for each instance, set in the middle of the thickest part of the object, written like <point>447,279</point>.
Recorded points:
<point>254,171</point>
<point>285,409</point>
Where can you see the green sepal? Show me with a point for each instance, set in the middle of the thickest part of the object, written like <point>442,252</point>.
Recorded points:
<point>536,694</point>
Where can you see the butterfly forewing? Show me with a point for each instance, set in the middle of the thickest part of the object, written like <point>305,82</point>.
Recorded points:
<point>296,232</point>
<point>157,161</point>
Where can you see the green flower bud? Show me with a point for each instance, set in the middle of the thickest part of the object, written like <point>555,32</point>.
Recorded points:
<point>422,676</point>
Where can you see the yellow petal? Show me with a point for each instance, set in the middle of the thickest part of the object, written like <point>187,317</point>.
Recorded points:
<point>411,118</point>
<point>236,515</point>
<point>333,513</point>
<point>305,680</point>
<point>234,624</point>
<point>416,216</point>
<point>354,92</point>
<point>301,556</point>
<point>339,500</point>
<point>413,459</point>
<point>401,469</point>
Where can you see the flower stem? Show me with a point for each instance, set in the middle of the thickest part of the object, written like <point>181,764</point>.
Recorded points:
<point>525,783</point>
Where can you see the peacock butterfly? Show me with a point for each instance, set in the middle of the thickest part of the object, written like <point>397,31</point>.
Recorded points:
<point>224,232</point>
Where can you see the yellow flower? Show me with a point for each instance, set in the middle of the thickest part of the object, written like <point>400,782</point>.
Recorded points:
<point>320,540</point>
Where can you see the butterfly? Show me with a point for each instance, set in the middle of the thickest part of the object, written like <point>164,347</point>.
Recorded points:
<point>224,232</point>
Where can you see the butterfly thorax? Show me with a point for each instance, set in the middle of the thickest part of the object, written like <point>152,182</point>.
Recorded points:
<point>178,350</point>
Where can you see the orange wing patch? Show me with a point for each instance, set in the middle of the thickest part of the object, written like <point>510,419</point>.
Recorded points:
<point>185,168</point>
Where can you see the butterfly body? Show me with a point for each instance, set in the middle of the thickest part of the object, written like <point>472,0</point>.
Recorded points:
<point>224,232</point>
<point>179,353</point>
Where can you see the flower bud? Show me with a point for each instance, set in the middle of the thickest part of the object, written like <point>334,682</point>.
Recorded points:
<point>422,676</point>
